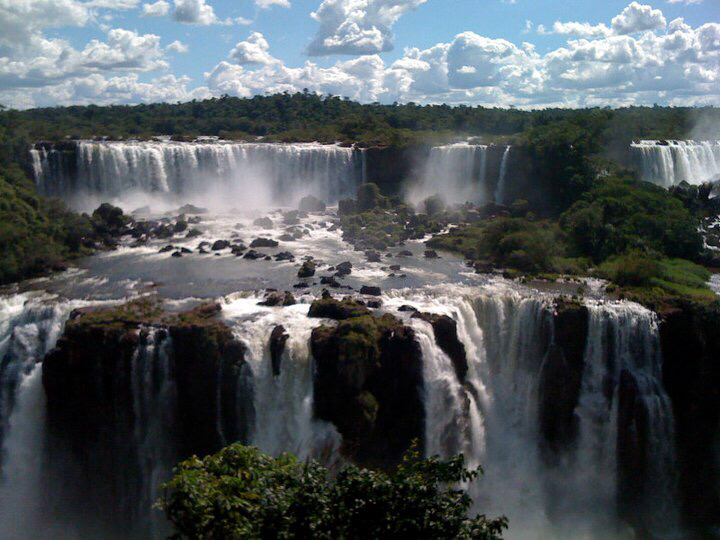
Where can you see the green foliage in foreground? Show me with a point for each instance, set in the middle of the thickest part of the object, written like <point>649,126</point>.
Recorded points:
<point>36,234</point>
<point>242,493</point>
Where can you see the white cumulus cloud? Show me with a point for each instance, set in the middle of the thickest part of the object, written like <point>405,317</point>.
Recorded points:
<point>267,4</point>
<point>254,50</point>
<point>637,18</point>
<point>357,26</point>
<point>157,9</point>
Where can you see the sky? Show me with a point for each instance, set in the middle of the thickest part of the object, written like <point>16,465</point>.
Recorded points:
<point>505,53</point>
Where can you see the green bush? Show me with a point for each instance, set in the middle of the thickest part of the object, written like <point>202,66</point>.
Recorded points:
<point>620,214</point>
<point>242,493</point>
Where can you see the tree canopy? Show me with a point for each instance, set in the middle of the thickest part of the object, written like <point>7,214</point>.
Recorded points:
<point>242,493</point>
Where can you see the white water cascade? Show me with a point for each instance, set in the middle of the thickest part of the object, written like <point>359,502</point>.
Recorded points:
<point>283,403</point>
<point>668,163</point>
<point>500,190</point>
<point>235,173</point>
<point>462,172</point>
<point>493,418</point>
<point>29,327</point>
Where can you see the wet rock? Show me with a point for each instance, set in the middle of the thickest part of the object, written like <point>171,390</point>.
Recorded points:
<point>301,286</point>
<point>264,222</point>
<point>407,308</point>
<point>291,218</point>
<point>275,298</point>
<point>278,339</point>
<point>220,244</point>
<point>263,242</point>
<point>370,290</point>
<point>431,254</point>
<point>306,270</point>
<point>254,255</point>
<point>177,254</point>
<point>237,249</point>
<point>330,281</point>
<point>405,253</point>
<point>193,233</point>
<point>369,384</point>
<point>311,204</point>
<point>191,209</point>
<point>167,248</point>
<point>445,330</point>
<point>284,256</point>
<point>373,256</point>
<point>330,308</point>
<point>343,269</point>
<point>286,237</point>
<point>374,304</point>
<point>180,226</point>
<point>395,267</point>
<point>185,250</point>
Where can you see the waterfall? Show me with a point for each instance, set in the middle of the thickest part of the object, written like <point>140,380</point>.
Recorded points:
<point>283,403</point>
<point>462,172</point>
<point>235,173</point>
<point>668,163</point>
<point>493,418</point>
<point>619,463</point>
<point>501,188</point>
<point>30,324</point>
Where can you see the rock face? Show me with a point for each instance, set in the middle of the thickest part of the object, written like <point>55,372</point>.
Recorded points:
<point>278,339</point>
<point>306,270</point>
<point>369,383</point>
<point>445,329</point>
<point>561,377</point>
<point>95,417</point>
<point>690,339</point>
<point>311,204</point>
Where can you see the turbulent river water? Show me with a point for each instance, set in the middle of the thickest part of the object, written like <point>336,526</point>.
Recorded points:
<point>493,418</point>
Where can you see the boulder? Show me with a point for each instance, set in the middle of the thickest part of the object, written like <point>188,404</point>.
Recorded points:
<point>431,254</point>
<point>330,308</point>
<point>329,281</point>
<point>254,255</point>
<point>311,204</point>
<point>306,270</point>
<point>264,222</point>
<point>445,330</point>
<point>263,242</point>
<point>220,244</point>
<point>284,256</point>
<point>275,298</point>
<point>343,269</point>
<point>278,339</point>
<point>167,248</point>
<point>191,209</point>
<point>193,233</point>
<point>370,290</point>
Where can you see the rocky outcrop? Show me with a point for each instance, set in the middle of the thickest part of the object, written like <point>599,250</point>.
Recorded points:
<point>690,338</point>
<point>108,368</point>
<point>561,377</point>
<point>446,337</point>
<point>369,384</point>
<point>278,339</point>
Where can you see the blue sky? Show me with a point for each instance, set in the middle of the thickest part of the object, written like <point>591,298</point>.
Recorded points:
<point>524,53</point>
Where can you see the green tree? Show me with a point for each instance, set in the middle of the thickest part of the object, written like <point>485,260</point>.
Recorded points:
<point>242,493</point>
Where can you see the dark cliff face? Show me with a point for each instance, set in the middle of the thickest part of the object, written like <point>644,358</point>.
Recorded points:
<point>114,369</point>
<point>369,383</point>
<point>561,377</point>
<point>690,337</point>
<point>391,166</point>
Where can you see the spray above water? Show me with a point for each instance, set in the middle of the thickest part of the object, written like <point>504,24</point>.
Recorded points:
<point>221,175</point>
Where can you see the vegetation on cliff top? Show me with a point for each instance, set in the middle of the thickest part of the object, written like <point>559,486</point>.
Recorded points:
<point>242,493</point>
<point>36,234</point>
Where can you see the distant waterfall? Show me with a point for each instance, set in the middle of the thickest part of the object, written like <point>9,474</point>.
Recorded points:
<point>239,171</point>
<point>462,172</point>
<point>501,187</point>
<point>668,163</point>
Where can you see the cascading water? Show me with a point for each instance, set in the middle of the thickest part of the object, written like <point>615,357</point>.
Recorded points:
<point>668,163</point>
<point>462,172</point>
<point>501,188</point>
<point>283,402</point>
<point>237,172</point>
<point>29,327</point>
<point>494,417</point>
